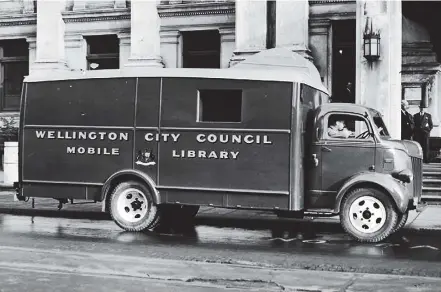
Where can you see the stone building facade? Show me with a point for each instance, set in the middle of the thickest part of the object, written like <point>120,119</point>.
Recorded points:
<point>111,34</point>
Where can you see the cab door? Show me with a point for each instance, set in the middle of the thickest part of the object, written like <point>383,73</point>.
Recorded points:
<point>342,158</point>
<point>313,161</point>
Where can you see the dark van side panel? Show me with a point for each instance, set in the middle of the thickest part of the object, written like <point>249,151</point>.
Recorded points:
<point>87,102</point>
<point>249,163</point>
<point>76,134</point>
<point>98,127</point>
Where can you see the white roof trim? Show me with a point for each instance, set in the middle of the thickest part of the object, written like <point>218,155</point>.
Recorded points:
<point>238,74</point>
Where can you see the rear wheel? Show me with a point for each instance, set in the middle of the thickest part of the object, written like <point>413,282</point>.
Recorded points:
<point>132,206</point>
<point>368,215</point>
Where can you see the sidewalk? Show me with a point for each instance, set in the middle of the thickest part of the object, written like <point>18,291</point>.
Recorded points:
<point>427,221</point>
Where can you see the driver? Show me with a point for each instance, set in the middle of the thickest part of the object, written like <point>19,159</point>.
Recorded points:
<point>339,130</point>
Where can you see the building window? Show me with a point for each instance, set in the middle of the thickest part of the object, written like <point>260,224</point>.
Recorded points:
<point>220,105</point>
<point>14,59</point>
<point>102,52</point>
<point>201,49</point>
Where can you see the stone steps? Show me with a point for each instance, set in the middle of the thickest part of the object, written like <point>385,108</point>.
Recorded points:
<point>432,182</point>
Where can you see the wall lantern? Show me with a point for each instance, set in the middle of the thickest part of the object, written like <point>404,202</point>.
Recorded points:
<point>371,45</point>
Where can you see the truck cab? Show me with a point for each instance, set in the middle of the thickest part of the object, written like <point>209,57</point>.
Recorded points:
<point>350,174</point>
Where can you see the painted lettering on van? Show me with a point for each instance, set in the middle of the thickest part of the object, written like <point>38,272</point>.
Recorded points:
<point>149,137</point>
<point>93,150</point>
<point>205,154</point>
<point>82,135</point>
<point>212,138</point>
<point>233,138</point>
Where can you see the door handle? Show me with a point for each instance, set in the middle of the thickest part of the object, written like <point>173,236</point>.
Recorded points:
<point>326,149</point>
<point>314,157</point>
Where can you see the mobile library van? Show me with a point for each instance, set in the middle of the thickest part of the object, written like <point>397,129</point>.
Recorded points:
<point>254,136</point>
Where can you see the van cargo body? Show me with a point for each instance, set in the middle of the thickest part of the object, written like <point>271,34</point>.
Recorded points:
<point>156,144</point>
<point>90,130</point>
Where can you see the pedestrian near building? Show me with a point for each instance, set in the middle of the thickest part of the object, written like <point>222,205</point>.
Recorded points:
<point>423,126</point>
<point>407,122</point>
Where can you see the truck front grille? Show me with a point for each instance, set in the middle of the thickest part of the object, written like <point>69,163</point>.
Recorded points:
<point>417,168</point>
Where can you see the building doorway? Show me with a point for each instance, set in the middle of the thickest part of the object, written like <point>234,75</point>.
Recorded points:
<point>343,61</point>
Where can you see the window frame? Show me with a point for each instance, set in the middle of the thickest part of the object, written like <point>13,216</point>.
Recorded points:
<point>194,53</point>
<point>90,58</point>
<point>10,60</point>
<point>199,107</point>
<point>325,124</point>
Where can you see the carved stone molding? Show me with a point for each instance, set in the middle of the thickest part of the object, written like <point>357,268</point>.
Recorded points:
<point>196,9</point>
<point>103,15</point>
<point>312,2</point>
<point>19,20</point>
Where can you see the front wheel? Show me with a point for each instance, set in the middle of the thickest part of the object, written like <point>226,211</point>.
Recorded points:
<point>402,219</point>
<point>132,206</point>
<point>368,215</point>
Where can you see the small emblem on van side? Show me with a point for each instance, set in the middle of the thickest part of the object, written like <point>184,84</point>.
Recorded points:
<point>145,158</point>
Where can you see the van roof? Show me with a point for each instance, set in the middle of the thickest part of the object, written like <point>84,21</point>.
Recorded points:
<point>238,74</point>
<point>278,64</point>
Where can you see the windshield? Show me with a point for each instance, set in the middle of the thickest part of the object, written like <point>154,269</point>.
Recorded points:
<point>381,127</point>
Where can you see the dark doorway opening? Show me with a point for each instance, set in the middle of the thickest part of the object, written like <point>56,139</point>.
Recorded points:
<point>343,61</point>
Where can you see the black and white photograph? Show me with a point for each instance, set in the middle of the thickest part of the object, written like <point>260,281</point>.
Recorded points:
<point>220,145</point>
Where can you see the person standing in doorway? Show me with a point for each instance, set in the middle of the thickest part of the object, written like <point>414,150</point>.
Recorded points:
<point>423,126</point>
<point>407,123</point>
<point>348,93</point>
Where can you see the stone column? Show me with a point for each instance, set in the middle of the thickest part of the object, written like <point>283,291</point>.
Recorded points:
<point>378,83</point>
<point>28,6</point>
<point>145,40</point>
<point>227,45</point>
<point>292,29</point>
<point>79,5</point>
<point>171,49</point>
<point>32,41</point>
<point>120,4</point>
<point>435,106</point>
<point>50,53</point>
<point>124,48</point>
<point>251,29</point>
<point>76,52</point>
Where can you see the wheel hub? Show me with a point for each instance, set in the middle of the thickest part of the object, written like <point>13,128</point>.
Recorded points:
<point>132,205</point>
<point>137,205</point>
<point>367,214</point>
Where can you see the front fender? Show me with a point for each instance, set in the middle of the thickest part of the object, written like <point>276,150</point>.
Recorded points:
<point>398,193</point>
<point>130,174</point>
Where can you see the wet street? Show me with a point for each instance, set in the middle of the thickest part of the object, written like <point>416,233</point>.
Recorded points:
<point>52,254</point>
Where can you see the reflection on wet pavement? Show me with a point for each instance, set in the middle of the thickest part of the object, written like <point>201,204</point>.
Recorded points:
<point>411,247</point>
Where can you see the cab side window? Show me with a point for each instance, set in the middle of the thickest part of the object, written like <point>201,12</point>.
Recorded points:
<point>346,126</point>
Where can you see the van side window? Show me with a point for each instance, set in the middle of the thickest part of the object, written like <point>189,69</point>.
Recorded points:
<point>345,126</point>
<point>219,105</point>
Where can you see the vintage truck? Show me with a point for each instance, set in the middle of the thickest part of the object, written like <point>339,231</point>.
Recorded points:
<point>151,144</point>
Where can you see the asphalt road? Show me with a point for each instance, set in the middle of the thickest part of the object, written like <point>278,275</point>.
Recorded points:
<point>52,254</point>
